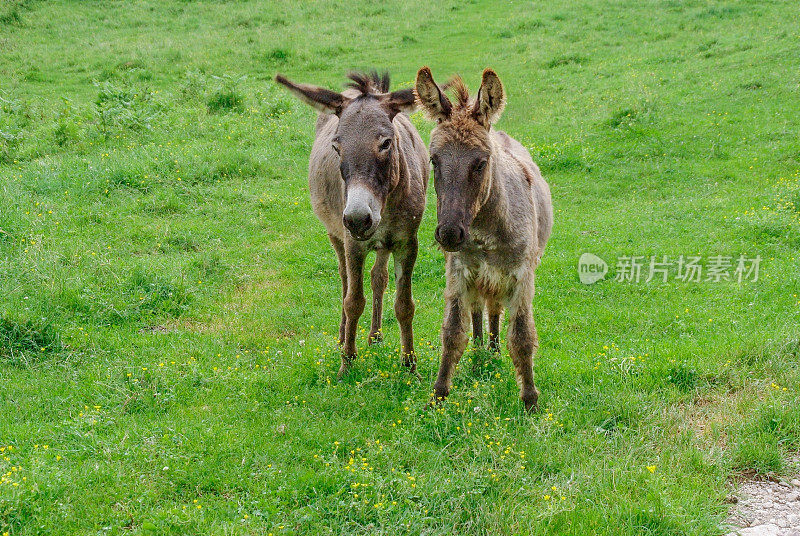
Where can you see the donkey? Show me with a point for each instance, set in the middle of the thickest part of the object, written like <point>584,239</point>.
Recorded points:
<point>494,219</point>
<point>368,175</point>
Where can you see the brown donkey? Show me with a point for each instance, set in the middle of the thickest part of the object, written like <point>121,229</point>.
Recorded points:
<point>368,174</point>
<point>495,216</point>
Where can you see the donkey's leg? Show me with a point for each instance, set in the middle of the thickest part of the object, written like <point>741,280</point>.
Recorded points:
<point>522,344</point>
<point>495,310</point>
<point>380,277</point>
<point>477,324</point>
<point>454,341</point>
<point>404,260</point>
<point>338,246</point>
<point>353,303</point>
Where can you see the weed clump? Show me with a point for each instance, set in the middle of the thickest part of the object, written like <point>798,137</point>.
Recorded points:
<point>124,107</point>
<point>14,119</point>
<point>224,101</point>
<point>66,131</point>
<point>210,266</point>
<point>573,59</point>
<point>622,118</point>
<point>278,55</point>
<point>23,342</point>
<point>155,296</point>
<point>11,12</point>
<point>227,97</point>
<point>630,118</point>
<point>682,376</point>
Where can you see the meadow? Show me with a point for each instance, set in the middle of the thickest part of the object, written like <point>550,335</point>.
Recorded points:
<point>169,303</point>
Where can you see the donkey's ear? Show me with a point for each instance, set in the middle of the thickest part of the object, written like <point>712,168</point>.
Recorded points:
<point>491,99</point>
<point>430,97</point>
<point>400,101</point>
<point>323,100</point>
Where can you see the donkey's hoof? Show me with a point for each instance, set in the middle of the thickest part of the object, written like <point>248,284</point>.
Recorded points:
<point>375,337</point>
<point>344,368</point>
<point>436,401</point>
<point>410,364</point>
<point>531,401</point>
<point>439,396</point>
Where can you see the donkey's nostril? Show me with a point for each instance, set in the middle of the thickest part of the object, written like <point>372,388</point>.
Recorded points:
<point>358,223</point>
<point>450,237</point>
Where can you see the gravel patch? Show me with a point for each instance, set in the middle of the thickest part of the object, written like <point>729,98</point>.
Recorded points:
<point>765,508</point>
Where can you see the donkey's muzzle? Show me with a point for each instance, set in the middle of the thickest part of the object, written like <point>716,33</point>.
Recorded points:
<point>451,237</point>
<point>361,213</point>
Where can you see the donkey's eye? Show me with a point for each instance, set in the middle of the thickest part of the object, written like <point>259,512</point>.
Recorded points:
<point>386,145</point>
<point>335,147</point>
<point>480,166</point>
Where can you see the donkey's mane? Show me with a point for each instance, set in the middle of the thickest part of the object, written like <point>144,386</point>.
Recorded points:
<point>460,91</point>
<point>369,83</point>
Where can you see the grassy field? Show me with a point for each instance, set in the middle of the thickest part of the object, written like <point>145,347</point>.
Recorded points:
<point>168,300</point>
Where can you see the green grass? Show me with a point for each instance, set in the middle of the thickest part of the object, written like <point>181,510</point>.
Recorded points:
<point>156,239</point>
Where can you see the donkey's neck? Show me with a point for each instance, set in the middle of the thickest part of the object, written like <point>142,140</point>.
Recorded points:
<point>491,221</point>
<point>399,168</point>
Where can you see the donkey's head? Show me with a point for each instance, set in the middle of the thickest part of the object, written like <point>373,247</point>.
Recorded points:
<point>364,141</point>
<point>460,150</point>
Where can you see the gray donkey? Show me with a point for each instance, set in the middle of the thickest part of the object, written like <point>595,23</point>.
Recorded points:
<point>495,216</point>
<point>368,174</point>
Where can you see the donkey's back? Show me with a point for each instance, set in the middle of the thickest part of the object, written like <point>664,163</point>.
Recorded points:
<point>542,202</point>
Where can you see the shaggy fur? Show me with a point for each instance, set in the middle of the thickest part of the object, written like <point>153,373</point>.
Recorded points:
<point>495,217</point>
<point>357,122</point>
